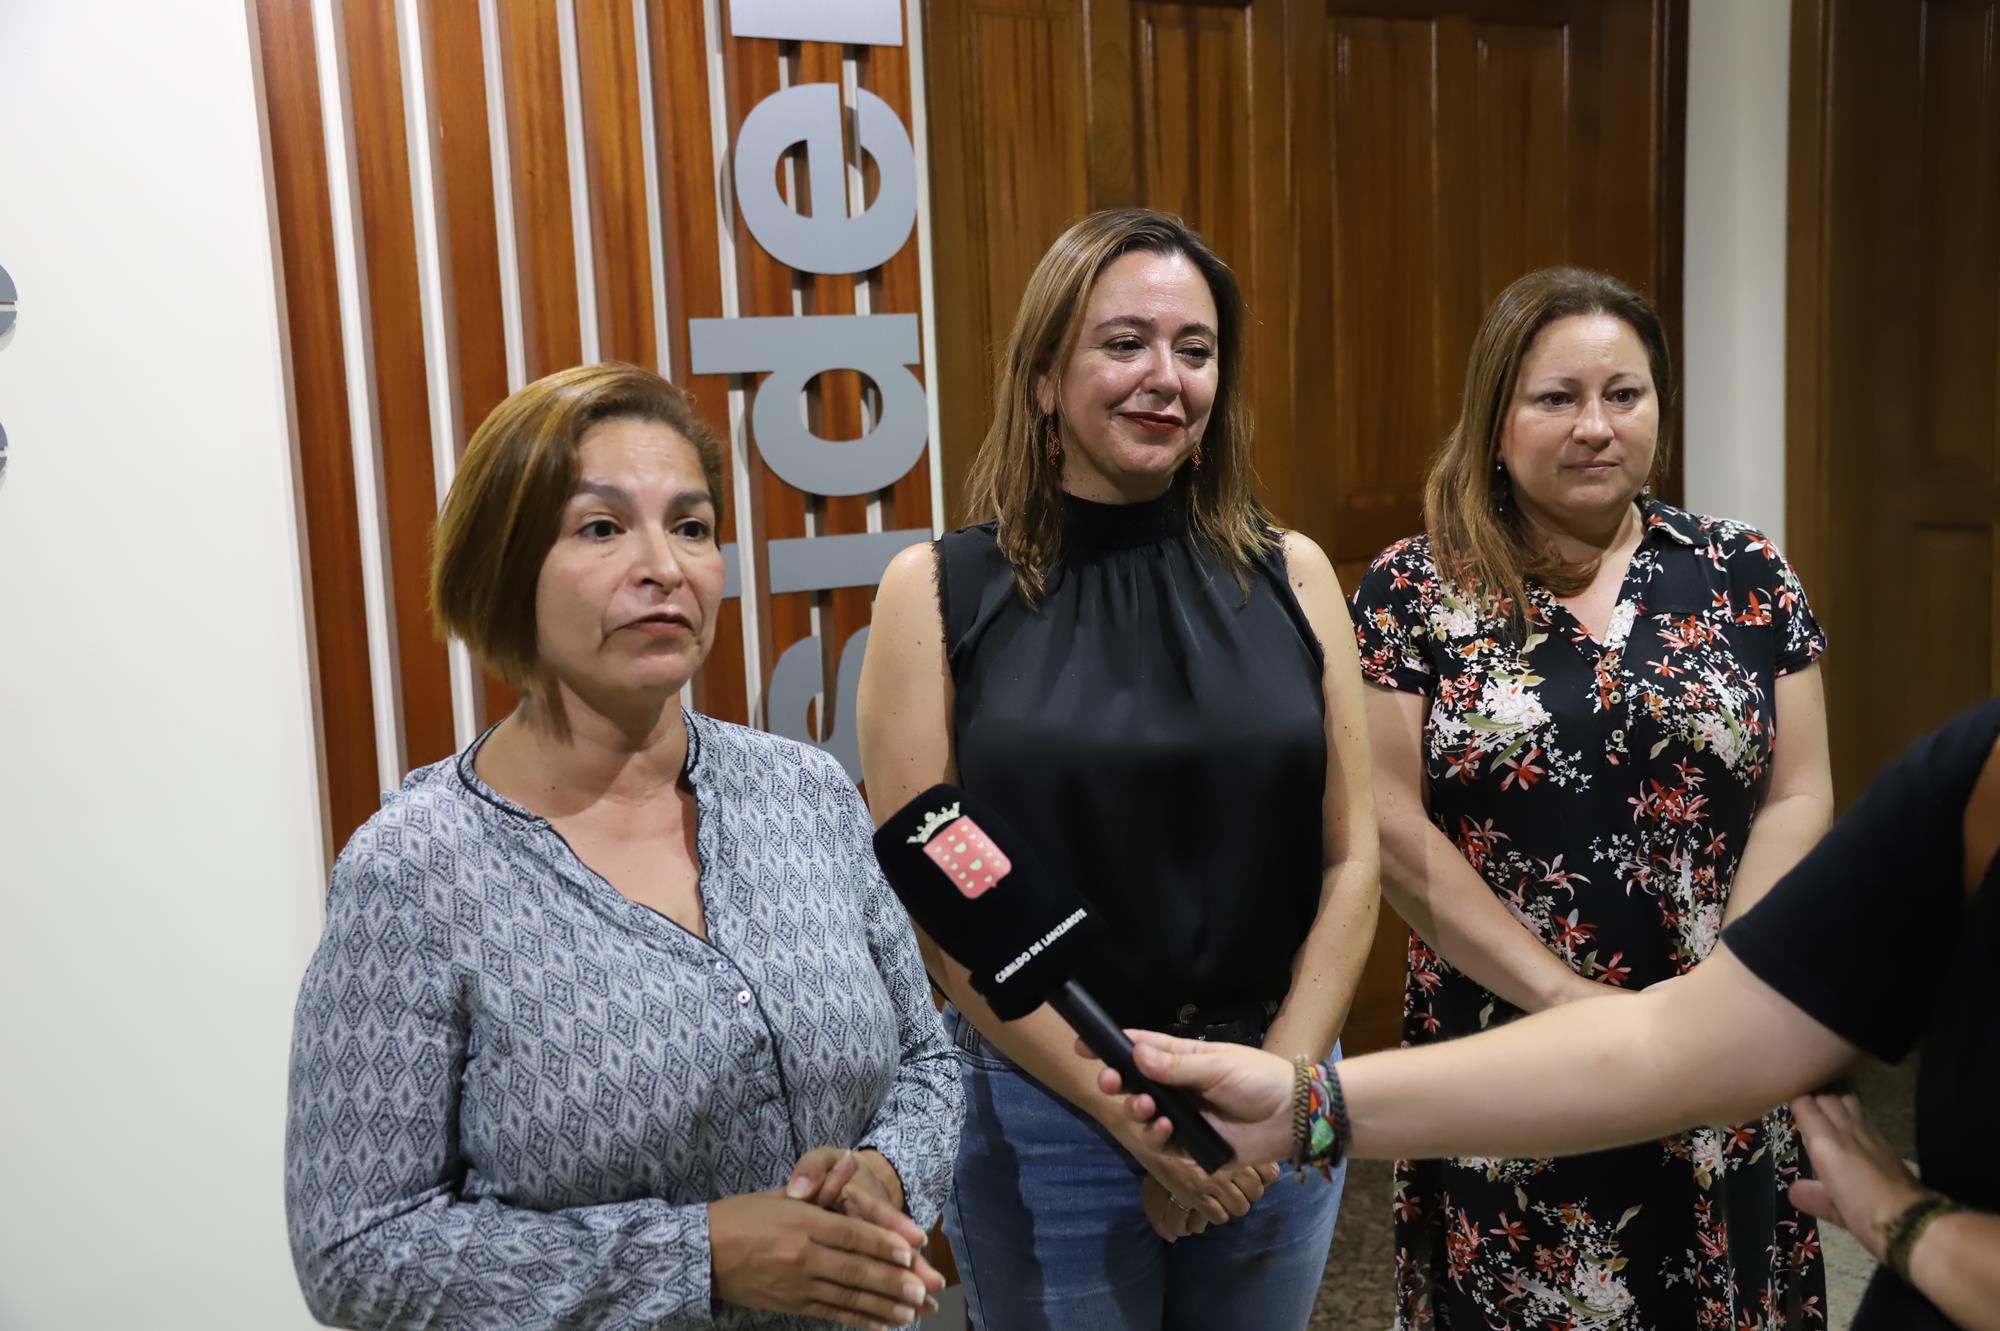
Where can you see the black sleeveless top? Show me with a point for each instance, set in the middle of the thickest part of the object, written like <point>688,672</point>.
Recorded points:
<point>1160,740</point>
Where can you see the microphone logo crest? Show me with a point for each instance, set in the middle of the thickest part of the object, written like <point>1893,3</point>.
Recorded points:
<point>932,822</point>
<point>968,857</point>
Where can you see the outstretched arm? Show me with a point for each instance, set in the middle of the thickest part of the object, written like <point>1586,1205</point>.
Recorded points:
<point>1717,1045</point>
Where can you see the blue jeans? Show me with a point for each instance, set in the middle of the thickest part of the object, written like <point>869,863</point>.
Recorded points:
<point>1045,1224</point>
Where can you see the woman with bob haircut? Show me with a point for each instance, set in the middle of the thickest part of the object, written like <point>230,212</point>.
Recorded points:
<point>1143,676</point>
<point>1599,736</point>
<point>614,1022</point>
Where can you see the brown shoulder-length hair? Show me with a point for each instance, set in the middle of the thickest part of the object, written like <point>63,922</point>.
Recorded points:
<point>506,503</point>
<point>1012,480</point>
<point>1478,540</point>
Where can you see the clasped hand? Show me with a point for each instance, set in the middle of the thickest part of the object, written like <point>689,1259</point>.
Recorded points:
<point>834,1244</point>
<point>1179,1197</point>
<point>1231,1191</point>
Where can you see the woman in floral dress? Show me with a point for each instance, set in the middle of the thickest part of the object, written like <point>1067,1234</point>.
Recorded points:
<point>1580,778</point>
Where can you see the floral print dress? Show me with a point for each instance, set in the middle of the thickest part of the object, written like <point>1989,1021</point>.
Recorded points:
<point>1604,791</point>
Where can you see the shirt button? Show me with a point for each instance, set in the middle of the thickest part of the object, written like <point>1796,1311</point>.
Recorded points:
<point>721,966</point>
<point>762,1039</point>
<point>743,997</point>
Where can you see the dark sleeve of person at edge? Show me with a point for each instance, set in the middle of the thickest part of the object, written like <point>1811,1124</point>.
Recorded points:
<point>1873,936</point>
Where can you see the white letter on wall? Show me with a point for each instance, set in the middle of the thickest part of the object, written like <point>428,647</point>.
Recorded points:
<point>794,348</point>
<point>829,241</point>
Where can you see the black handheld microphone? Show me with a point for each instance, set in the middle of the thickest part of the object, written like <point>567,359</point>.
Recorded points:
<point>971,886</point>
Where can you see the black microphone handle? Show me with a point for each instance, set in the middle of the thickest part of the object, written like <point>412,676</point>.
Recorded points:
<point>1109,1042</point>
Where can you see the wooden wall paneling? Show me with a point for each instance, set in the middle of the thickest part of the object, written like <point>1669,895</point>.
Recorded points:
<point>1009,169</point>
<point>897,286</point>
<point>458,83</point>
<point>621,231</point>
<point>1893,420</point>
<point>833,401</point>
<point>538,142</point>
<point>338,628</point>
<point>1527,162</point>
<point>473,260</point>
<point>1116,172</point>
<point>1386,389</point>
<point>1638,214</point>
<point>1492,119</point>
<point>894,288</point>
<point>1297,465</point>
<point>1270,275</point>
<point>690,200</point>
<point>1878,210</point>
<point>1941,490</point>
<point>1808,280</point>
<point>1959,157</point>
<point>695,284</point>
<point>423,132</point>
<point>1191,60</point>
<point>1661,138</point>
<point>401,383</point>
<point>350,267</point>
<point>754,69</point>
<point>1226,175</point>
<point>1511,155</point>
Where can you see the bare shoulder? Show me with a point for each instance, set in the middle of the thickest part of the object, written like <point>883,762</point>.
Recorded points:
<point>906,602</point>
<point>913,571</point>
<point>1307,565</point>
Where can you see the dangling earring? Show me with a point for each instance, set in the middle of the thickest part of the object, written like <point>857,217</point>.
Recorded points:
<point>1500,486</point>
<point>1052,440</point>
<point>1194,458</point>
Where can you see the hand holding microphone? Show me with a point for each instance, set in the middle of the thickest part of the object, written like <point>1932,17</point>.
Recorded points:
<point>971,885</point>
<point>1246,1093</point>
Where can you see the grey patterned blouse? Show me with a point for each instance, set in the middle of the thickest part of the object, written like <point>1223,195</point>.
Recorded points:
<point>514,1091</point>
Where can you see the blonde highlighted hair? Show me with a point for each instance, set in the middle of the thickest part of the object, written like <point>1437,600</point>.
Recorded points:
<point>1478,539</point>
<point>1013,481</point>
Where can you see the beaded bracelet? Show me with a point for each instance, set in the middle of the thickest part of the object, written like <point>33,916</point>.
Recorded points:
<point>1902,1232</point>
<point>1319,1118</point>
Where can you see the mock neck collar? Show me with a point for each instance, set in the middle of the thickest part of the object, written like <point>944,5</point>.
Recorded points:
<point>1090,525</point>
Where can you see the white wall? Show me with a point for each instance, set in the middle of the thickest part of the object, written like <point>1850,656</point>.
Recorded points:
<point>160,857</point>
<point>1739,60</point>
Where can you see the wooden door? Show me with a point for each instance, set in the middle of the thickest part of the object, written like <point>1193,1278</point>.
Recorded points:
<point>1443,148</point>
<point>1893,365</point>
<point>1374,170</point>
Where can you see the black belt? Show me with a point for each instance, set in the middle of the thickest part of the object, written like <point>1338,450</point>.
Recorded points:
<point>1242,1023</point>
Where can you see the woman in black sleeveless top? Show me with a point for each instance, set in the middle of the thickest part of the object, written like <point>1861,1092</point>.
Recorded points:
<point>1133,668</point>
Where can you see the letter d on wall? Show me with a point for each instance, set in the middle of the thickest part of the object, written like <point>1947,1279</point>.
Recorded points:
<point>829,241</point>
<point>797,347</point>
